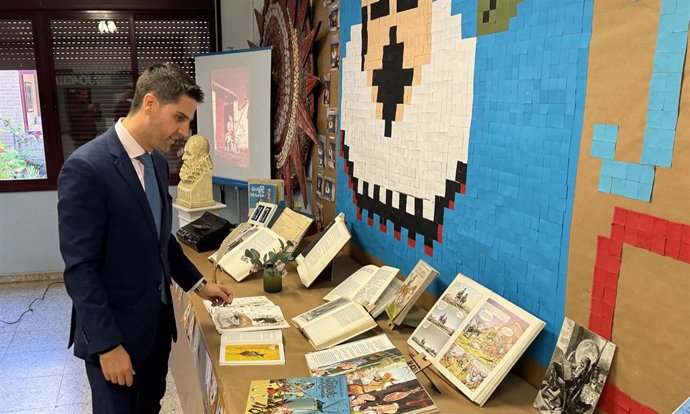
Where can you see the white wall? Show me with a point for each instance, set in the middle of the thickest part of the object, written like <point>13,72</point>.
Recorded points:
<point>238,23</point>
<point>28,233</point>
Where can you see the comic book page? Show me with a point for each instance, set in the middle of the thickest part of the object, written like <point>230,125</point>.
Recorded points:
<point>378,378</point>
<point>298,395</point>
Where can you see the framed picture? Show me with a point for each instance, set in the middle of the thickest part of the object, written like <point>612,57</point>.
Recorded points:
<point>29,96</point>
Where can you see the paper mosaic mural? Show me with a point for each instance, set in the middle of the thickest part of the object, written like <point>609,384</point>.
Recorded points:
<point>460,143</point>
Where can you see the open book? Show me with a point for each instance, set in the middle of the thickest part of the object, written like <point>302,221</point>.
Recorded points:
<point>334,322</point>
<point>378,378</point>
<point>262,214</point>
<point>230,256</point>
<point>254,313</point>
<point>291,226</point>
<point>365,286</point>
<point>298,395</point>
<point>252,348</point>
<point>473,336</point>
<point>405,297</point>
<point>315,257</point>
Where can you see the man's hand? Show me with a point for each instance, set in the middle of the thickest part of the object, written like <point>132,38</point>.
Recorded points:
<point>117,367</point>
<point>218,294</point>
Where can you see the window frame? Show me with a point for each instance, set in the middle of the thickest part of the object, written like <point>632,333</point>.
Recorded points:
<point>45,71</point>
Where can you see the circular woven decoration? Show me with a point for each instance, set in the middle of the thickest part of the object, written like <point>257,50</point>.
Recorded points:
<point>284,26</point>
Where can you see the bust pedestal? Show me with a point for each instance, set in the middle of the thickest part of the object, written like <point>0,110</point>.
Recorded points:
<point>187,215</point>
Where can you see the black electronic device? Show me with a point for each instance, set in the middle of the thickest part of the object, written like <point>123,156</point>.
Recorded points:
<point>205,233</point>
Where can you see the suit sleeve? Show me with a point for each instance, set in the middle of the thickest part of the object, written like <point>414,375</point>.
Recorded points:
<point>182,269</point>
<point>83,222</point>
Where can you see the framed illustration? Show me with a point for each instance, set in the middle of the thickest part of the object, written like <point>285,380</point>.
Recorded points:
<point>29,96</point>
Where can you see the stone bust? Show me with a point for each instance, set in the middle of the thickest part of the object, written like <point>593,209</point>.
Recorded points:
<point>195,187</point>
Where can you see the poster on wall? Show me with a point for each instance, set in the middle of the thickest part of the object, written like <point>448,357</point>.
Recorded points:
<point>230,100</point>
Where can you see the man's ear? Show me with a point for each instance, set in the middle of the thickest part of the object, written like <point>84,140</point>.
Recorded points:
<point>149,102</point>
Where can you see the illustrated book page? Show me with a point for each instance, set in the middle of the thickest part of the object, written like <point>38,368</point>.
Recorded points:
<point>298,395</point>
<point>378,378</point>
<point>255,313</point>
<point>262,239</point>
<point>387,297</point>
<point>252,348</point>
<point>415,284</point>
<point>474,336</point>
<point>262,214</point>
<point>577,372</point>
<point>229,241</point>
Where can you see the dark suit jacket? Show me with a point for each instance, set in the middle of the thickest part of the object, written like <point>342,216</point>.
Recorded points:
<point>113,257</point>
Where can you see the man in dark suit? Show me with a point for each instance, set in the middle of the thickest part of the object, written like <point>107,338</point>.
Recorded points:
<point>115,218</point>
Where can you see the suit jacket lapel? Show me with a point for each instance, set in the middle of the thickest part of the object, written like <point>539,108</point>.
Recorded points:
<point>124,166</point>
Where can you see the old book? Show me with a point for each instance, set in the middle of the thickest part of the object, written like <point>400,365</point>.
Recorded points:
<point>231,258</point>
<point>378,378</point>
<point>334,322</point>
<point>252,348</point>
<point>298,395</point>
<point>474,336</point>
<point>292,226</point>
<point>386,298</point>
<point>255,313</point>
<point>262,214</point>
<point>577,372</point>
<point>416,283</point>
<point>269,191</point>
<point>315,257</point>
<point>364,286</point>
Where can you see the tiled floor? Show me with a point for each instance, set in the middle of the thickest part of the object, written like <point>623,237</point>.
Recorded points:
<point>38,375</point>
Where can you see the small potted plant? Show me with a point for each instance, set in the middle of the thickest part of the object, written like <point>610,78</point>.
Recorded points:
<point>273,264</point>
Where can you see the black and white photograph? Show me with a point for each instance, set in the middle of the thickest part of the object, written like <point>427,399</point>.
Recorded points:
<point>328,189</point>
<point>333,17</point>
<point>321,151</point>
<point>326,94</point>
<point>330,154</point>
<point>319,184</point>
<point>577,372</point>
<point>335,52</point>
<point>332,117</point>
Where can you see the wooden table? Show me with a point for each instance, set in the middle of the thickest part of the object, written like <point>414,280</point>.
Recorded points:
<point>514,395</point>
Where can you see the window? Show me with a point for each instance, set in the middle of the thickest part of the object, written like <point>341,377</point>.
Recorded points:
<point>87,64</point>
<point>22,152</point>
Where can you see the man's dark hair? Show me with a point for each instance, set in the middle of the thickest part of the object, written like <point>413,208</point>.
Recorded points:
<point>168,82</point>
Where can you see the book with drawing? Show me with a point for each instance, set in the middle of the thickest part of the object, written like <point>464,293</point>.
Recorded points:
<point>386,297</point>
<point>334,322</point>
<point>298,395</point>
<point>364,286</point>
<point>255,313</point>
<point>577,372</point>
<point>474,336</point>
<point>405,297</point>
<point>269,191</point>
<point>252,348</point>
<point>262,214</point>
<point>378,378</point>
<point>231,254</point>
<point>315,257</point>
